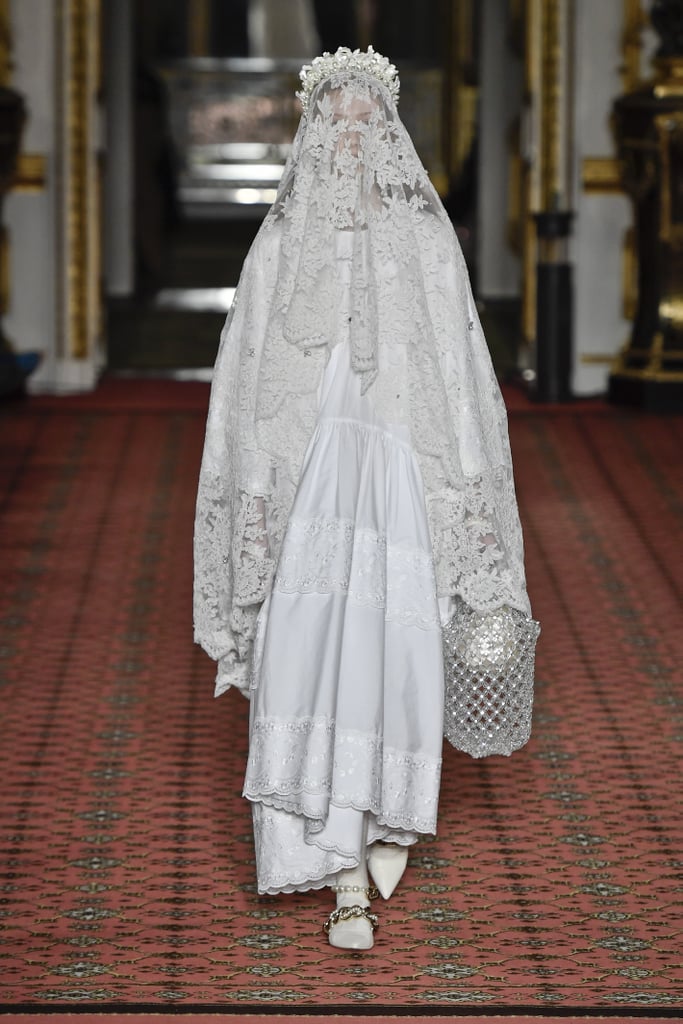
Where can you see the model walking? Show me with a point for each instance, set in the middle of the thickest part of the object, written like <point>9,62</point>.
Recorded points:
<point>356,507</point>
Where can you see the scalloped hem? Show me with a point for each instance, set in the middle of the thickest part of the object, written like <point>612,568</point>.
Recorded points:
<point>303,883</point>
<point>314,821</point>
<point>292,856</point>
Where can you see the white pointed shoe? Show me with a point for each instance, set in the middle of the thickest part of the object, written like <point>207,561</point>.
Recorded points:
<point>351,925</point>
<point>386,864</point>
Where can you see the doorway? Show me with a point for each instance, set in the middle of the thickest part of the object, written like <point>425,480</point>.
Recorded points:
<point>211,113</point>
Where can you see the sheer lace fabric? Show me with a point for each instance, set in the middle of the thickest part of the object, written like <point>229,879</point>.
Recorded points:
<point>290,768</point>
<point>356,469</point>
<point>356,482</point>
<point>354,193</point>
<point>326,555</point>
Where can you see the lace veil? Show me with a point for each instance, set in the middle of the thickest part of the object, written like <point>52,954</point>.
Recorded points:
<point>353,182</point>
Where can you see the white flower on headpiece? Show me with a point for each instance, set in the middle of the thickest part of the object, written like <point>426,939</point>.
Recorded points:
<point>365,62</point>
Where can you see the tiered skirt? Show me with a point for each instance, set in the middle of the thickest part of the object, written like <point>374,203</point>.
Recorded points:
<point>347,688</point>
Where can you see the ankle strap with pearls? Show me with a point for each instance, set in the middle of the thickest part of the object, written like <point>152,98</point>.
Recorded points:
<point>370,891</point>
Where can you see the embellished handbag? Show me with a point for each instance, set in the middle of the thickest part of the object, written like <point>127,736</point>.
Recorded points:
<point>489,679</point>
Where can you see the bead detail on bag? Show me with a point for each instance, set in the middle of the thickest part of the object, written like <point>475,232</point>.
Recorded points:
<point>489,679</point>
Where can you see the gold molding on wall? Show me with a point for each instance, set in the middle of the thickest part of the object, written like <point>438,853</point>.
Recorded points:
<point>670,130</point>
<point>550,99</point>
<point>532,46</point>
<point>5,79</point>
<point>600,174</point>
<point>5,43</point>
<point>78,128</point>
<point>542,178</point>
<point>77,27</point>
<point>199,27</point>
<point>95,172</point>
<point>598,359</point>
<point>673,84</point>
<point>545,176</point>
<point>5,280</point>
<point>462,93</point>
<point>31,173</point>
<point>530,174</point>
<point>634,21</point>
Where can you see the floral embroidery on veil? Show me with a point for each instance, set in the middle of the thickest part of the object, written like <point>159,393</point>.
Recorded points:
<point>353,184</point>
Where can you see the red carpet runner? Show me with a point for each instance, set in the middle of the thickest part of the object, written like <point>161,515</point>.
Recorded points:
<point>127,876</point>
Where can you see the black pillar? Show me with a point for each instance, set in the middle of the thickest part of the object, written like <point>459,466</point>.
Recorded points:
<point>553,308</point>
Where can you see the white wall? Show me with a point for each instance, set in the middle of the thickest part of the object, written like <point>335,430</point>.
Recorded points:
<point>30,321</point>
<point>44,247</point>
<point>119,185</point>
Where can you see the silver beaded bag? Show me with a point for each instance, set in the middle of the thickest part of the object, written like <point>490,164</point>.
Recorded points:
<point>489,679</point>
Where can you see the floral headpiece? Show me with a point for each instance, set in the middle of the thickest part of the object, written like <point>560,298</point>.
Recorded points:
<point>368,63</point>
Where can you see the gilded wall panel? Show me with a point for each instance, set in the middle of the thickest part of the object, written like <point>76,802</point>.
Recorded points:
<point>79,228</point>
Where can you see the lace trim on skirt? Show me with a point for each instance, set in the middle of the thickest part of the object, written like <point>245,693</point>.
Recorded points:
<point>300,765</point>
<point>326,555</point>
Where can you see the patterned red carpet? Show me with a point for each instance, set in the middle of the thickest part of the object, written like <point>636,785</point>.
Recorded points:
<point>555,882</point>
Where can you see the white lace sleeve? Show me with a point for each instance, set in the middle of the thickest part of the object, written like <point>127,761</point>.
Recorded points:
<point>232,564</point>
<point>354,190</point>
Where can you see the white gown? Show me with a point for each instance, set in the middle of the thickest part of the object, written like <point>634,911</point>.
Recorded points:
<point>347,683</point>
<point>356,464</point>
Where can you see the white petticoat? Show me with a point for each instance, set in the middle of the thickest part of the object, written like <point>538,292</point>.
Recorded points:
<point>347,686</point>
